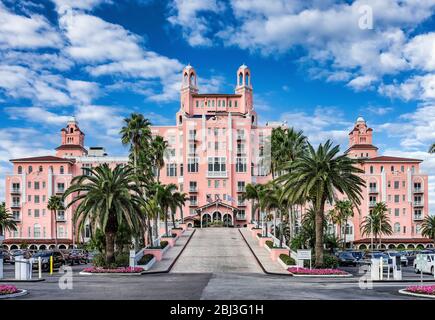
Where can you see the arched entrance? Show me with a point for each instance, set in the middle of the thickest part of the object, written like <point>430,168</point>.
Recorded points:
<point>217,216</point>
<point>228,221</point>
<point>62,246</point>
<point>33,247</point>
<point>14,247</point>
<point>206,219</point>
<point>42,247</point>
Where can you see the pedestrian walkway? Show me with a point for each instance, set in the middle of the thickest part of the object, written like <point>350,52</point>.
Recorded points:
<point>262,254</point>
<point>172,254</point>
<point>217,250</point>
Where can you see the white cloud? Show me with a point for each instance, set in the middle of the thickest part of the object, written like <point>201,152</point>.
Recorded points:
<point>415,88</point>
<point>421,51</point>
<point>83,91</point>
<point>36,115</point>
<point>361,82</point>
<point>64,5</point>
<point>380,111</point>
<point>22,32</point>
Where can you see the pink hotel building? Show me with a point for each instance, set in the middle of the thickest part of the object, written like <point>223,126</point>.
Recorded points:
<point>215,149</point>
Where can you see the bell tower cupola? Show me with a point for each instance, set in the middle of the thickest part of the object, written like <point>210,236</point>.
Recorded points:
<point>361,141</point>
<point>72,140</point>
<point>189,87</point>
<point>244,88</point>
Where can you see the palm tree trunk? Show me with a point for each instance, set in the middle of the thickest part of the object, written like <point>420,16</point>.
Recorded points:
<point>166,224</point>
<point>181,215</point>
<point>344,235</point>
<point>150,232</point>
<point>281,228</point>
<point>110,247</point>
<point>252,210</point>
<point>319,235</point>
<point>274,223</point>
<point>173,219</point>
<point>258,217</point>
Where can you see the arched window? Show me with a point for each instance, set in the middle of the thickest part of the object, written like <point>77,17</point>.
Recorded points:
<point>392,168</point>
<point>371,170</point>
<point>20,169</point>
<point>382,168</point>
<point>185,78</point>
<point>51,169</point>
<point>30,169</point>
<point>253,119</point>
<point>180,119</point>
<point>397,227</point>
<point>240,79</point>
<point>71,130</point>
<point>62,170</point>
<point>247,79</point>
<point>192,79</point>
<point>40,169</point>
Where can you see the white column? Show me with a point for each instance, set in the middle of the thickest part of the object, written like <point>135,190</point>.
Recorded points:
<point>50,183</point>
<point>409,191</point>
<point>384,185</point>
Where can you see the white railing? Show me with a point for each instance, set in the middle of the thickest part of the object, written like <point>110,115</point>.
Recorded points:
<point>217,174</point>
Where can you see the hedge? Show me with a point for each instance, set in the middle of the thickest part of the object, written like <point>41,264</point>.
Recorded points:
<point>287,259</point>
<point>145,259</point>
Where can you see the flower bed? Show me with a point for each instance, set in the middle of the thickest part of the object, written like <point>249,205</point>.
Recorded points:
<point>317,272</point>
<point>427,290</point>
<point>8,289</point>
<point>116,270</point>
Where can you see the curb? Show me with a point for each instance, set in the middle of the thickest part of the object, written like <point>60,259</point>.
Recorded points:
<point>109,273</point>
<point>420,295</point>
<point>15,280</point>
<point>21,293</point>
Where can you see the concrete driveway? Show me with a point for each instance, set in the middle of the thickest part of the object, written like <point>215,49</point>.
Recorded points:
<point>217,250</point>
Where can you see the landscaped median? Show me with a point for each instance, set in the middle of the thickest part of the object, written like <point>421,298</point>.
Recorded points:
<point>327,273</point>
<point>111,271</point>
<point>9,291</point>
<point>420,291</point>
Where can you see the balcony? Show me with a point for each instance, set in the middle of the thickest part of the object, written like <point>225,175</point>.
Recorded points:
<point>60,190</point>
<point>192,137</point>
<point>15,204</point>
<point>16,218</point>
<point>372,203</point>
<point>192,152</point>
<point>373,190</point>
<point>240,217</point>
<point>241,189</point>
<point>419,203</point>
<point>193,203</point>
<point>193,189</point>
<point>418,190</point>
<point>241,137</point>
<point>241,203</point>
<point>217,174</point>
<point>60,218</point>
<point>15,191</point>
<point>418,217</point>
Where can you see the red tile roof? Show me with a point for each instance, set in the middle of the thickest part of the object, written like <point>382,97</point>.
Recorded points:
<point>392,159</point>
<point>396,240</point>
<point>44,159</point>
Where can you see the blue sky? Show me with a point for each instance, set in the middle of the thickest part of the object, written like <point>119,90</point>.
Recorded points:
<point>316,64</point>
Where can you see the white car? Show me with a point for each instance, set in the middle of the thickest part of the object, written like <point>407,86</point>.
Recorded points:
<point>428,264</point>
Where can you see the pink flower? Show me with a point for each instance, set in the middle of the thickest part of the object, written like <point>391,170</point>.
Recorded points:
<point>116,270</point>
<point>320,272</point>
<point>430,290</point>
<point>7,289</point>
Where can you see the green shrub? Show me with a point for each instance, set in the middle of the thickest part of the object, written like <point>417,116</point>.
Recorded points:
<point>287,259</point>
<point>177,228</point>
<point>163,244</point>
<point>269,243</point>
<point>145,259</point>
<point>99,260</point>
<point>259,235</point>
<point>173,235</point>
<point>122,260</point>
<point>330,261</point>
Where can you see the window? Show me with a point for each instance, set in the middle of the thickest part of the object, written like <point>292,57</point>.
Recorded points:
<point>193,186</point>
<point>235,104</point>
<point>30,169</point>
<point>43,184</point>
<point>372,186</point>
<point>402,168</point>
<point>40,169</point>
<point>192,165</point>
<point>349,229</point>
<point>20,170</point>
<point>36,199</point>
<point>36,213</point>
<point>29,212</point>
<point>382,168</point>
<point>371,170</point>
<point>417,186</point>
<point>171,169</point>
<point>181,170</point>
<point>216,183</point>
<point>197,103</point>
<point>36,185</point>
<point>60,187</point>
<point>240,200</point>
<point>396,198</point>
<point>230,104</point>
<point>241,186</point>
<point>15,187</point>
<point>389,184</point>
<point>240,164</point>
<point>392,168</point>
<point>209,183</point>
<point>397,227</point>
<point>29,198</point>
<point>404,229</point>
<point>193,200</point>
<point>396,184</point>
<point>37,231</point>
<point>216,164</point>
<point>62,170</point>
<point>404,211</point>
<point>396,212</point>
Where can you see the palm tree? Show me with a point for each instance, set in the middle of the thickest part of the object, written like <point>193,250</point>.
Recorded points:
<point>377,222</point>
<point>428,228</point>
<point>158,148</point>
<point>252,192</point>
<point>164,197</point>
<point>137,133</point>
<point>315,176</point>
<point>55,203</point>
<point>7,221</point>
<point>179,200</point>
<point>432,148</point>
<point>152,211</point>
<point>108,198</point>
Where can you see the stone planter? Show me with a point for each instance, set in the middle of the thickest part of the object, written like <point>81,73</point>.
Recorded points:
<point>254,231</point>
<point>275,252</point>
<point>262,240</point>
<point>178,232</point>
<point>285,266</point>
<point>171,240</point>
<point>148,266</point>
<point>158,253</point>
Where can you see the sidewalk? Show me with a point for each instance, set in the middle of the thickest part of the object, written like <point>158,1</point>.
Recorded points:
<point>262,254</point>
<point>172,254</point>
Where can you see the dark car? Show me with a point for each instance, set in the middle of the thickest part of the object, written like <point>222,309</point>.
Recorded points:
<point>346,258</point>
<point>6,256</point>
<point>77,256</point>
<point>19,252</point>
<point>359,255</point>
<point>58,259</point>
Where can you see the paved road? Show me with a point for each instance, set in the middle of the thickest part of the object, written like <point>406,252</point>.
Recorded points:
<point>216,250</point>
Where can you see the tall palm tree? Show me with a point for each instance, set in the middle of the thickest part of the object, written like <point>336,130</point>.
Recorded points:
<point>164,197</point>
<point>137,133</point>
<point>7,221</point>
<point>432,148</point>
<point>55,203</point>
<point>252,192</point>
<point>316,176</point>
<point>152,211</point>
<point>377,222</point>
<point>179,200</point>
<point>158,148</point>
<point>428,228</point>
<point>107,198</point>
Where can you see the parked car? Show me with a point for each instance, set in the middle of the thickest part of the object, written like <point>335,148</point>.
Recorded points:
<point>394,254</point>
<point>58,259</point>
<point>346,258</point>
<point>428,266</point>
<point>5,255</point>
<point>77,256</point>
<point>386,260</point>
<point>19,252</point>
